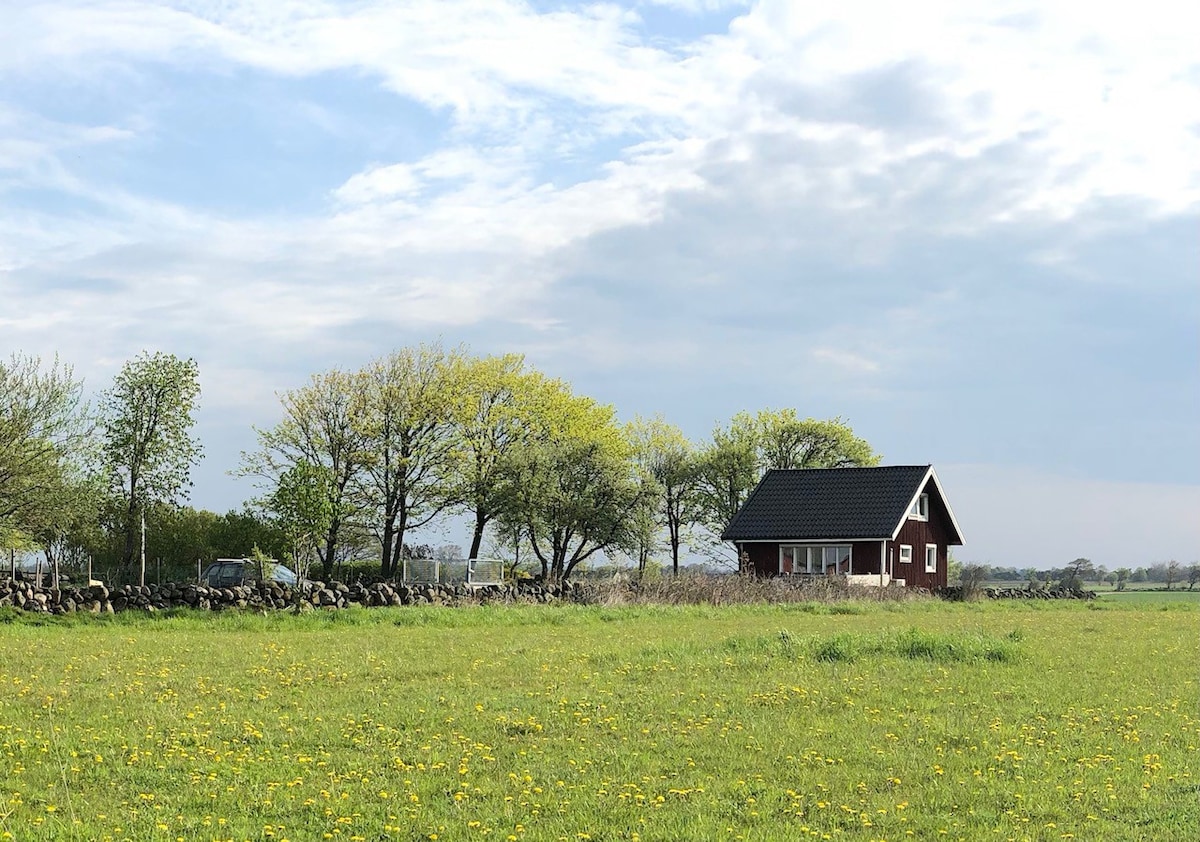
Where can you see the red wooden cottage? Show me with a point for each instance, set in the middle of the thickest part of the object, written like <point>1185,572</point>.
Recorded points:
<point>874,525</point>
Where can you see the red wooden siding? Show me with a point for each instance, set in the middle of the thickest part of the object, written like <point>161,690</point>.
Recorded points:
<point>919,534</point>
<point>764,558</point>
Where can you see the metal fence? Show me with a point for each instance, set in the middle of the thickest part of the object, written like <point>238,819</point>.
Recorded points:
<point>475,571</point>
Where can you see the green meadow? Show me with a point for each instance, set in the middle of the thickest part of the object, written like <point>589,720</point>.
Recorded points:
<point>854,720</point>
<point>1147,596</point>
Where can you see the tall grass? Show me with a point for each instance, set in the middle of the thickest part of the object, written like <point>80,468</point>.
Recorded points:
<point>696,589</point>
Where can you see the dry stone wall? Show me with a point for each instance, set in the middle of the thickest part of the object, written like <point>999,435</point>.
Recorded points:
<point>956,592</point>
<point>268,596</point>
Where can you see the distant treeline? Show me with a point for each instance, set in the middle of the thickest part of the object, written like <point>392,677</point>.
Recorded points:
<point>1082,571</point>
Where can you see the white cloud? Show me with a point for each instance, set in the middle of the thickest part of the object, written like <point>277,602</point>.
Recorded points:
<point>847,361</point>
<point>698,6</point>
<point>746,193</point>
<point>1098,112</point>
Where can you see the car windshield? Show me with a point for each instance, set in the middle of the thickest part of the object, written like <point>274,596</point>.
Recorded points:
<point>279,573</point>
<point>223,575</point>
<point>228,573</point>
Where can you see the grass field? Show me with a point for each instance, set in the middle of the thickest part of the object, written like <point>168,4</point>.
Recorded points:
<point>863,721</point>
<point>1152,596</point>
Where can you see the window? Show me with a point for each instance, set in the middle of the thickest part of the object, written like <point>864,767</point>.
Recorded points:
<point>803,558</point>
<point>905,553</point>
<point>920,508</point>
<point>931,558</point>
<point>788,559</point>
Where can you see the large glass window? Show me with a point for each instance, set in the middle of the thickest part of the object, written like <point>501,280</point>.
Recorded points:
<point>814,558</point>
<point>788,557</point>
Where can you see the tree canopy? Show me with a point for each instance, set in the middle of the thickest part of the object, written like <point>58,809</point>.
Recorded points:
<point>147,418</point>
<point>44,438</point>
<point>359,460</point>
<point>573,489</point>
<point>731,464</point>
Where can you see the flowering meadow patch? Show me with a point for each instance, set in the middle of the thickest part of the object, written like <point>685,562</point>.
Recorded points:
<point>925,720</point>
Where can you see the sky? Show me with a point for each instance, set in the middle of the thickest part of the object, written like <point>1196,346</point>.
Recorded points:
<point>971,229</point>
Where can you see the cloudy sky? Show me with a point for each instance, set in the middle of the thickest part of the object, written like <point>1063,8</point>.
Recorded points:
<point>970,229</point>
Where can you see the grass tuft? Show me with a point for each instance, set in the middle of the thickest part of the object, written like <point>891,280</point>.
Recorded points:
<point>841,648</point>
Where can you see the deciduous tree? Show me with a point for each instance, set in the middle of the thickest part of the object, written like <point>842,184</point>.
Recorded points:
<point>1074,574</point>
<point>147,417</point>
<point>669,460</point>
<point>44,432</point>
<point>972,577</point>
<point>64,529</point>
<point>302,504</point>
<point>787,441</point>
<point>498,406</point>
<point>320,428</point>
<point>235,534</point>
<point>405,424</point>
<point>573,492</point>
<point>731,465</point>
<point>1173,571</point>
<point>726,472</point>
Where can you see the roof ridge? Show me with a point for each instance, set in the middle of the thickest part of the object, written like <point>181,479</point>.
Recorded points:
<point>856,468</point>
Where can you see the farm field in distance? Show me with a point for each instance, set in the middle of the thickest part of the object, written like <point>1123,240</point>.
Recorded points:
<point>853,720</point>
<point>1147,596</point>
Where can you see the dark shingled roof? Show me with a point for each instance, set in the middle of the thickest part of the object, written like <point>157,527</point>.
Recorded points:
<point>812,503</point>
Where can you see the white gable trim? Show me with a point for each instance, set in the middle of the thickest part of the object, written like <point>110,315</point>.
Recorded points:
<point>929,474</point>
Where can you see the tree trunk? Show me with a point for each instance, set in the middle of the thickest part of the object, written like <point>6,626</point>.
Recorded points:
<point>330,545</point>
<point>387,565</point>
<point>673,528</point>
<point>477,538</point>
<point>142,553</point>
<point>131,520</point>
<point>398,541</point>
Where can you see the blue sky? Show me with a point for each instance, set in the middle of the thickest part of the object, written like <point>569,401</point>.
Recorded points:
<point>970,229</point>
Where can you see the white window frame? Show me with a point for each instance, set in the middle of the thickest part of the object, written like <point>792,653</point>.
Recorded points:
<point>931,555</point>
<point>794,571</point>
<point>920,508</point>
<point>905,553</point>
<point>814,554</point>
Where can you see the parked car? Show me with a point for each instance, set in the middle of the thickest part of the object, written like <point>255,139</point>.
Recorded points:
<point>229,572</point>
